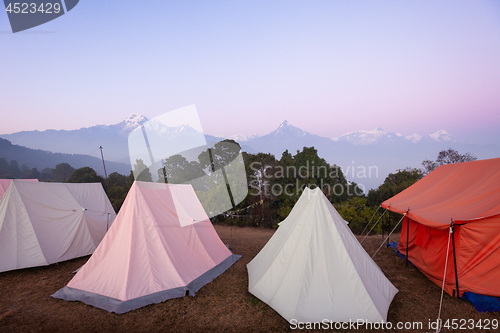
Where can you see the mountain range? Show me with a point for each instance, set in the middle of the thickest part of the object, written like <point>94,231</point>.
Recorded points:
<point>366,157</point>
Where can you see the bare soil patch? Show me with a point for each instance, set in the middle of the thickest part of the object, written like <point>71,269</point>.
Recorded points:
<point>224,305</point>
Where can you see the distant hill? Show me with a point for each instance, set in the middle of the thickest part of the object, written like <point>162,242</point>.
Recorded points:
<point>40,159</point>
<point>112,138</point>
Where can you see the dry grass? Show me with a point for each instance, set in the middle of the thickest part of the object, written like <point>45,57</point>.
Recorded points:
<point>222,305</point>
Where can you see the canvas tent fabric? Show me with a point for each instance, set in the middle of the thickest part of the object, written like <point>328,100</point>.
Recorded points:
<point>5,183</point>
<point>45,223</point>
<point>162,245</point>
<point>469,195</point>
<point>313,268</point>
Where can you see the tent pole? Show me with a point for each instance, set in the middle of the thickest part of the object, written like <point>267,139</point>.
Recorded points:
<point>407,234</point>
<point>454,256</point>
<point>105,174</point>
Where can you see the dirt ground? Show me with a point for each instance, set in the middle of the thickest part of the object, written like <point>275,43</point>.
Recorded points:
<point>224,305</point>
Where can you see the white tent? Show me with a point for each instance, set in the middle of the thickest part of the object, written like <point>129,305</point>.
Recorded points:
<point>5,183</point>
<point>45,223</point>
<point>313,268</point>
<point>162,245</point>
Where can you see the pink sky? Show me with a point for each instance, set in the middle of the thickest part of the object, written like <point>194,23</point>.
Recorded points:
<point>327,67</point>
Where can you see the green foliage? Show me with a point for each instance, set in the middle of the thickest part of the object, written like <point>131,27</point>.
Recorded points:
<point>30,173</point>
<point>275,185</point>
<point>62,172</point>
<point>9,170</point>
<point>12,170</point>
<point>178,170</point>
<point>393,184</point>
<point>85,175</point>
<point>284,205</point>
<point>119,186</point>
<point>356,212</point>
<point>220,155</point>
<point>46,175</point>
<point>449,156</point>
<point>141,171</point>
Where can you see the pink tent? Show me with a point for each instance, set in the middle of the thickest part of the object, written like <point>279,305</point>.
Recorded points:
<point>5,183</point>
<point>161,245</point>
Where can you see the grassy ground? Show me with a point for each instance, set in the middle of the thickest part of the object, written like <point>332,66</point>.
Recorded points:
<point>224,305</point>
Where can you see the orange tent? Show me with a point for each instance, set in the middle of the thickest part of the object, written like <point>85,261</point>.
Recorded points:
<point>463,197</point>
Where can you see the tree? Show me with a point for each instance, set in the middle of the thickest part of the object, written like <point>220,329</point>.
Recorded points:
<point>131,178</point>
<point>355,211</point>
<point>14,170</point>
<point>115,179</point>
<point>312,170</point>
<point>62,172</point>
<point>47,175</point>
<point>3,166</point>
<point>85,175</point>
<point>119,186</point>
<point>393,184</point>
<point>275,186</point>
<point>177,170</point>
<point>449,156</point>
<point>7,170</point>
<point>141,171</point>
<point>261,169</point>
<point>220,155</point>
<point>218,177</point>
<point>30,173</point>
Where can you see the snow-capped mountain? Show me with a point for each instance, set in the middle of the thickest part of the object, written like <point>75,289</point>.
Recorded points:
<point>169,132</point>
<point>363,137</point>
<point>286,129</point>
<point>443,136</point>
<point>132,122</point>
<point>366,156</point>
<point>286,137</point>
<point>413,138</point>
<point>113,138</point>
<point>241,137</point>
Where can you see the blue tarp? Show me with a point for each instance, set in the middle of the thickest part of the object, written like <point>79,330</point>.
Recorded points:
<point>394,245</point>
<point>482,303</point>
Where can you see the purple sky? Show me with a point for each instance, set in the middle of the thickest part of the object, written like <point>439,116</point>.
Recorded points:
<point>328,67</point>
